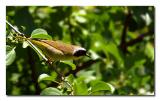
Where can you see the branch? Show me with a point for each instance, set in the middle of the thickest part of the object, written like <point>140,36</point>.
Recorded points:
<point>82,66</point>
<point>124,32</point>
<point>33,69</point>
<point>34,75</point>
<point>16,30</point>
<point>138,39</point>
<point>36,49</point>
<point>33,46</point>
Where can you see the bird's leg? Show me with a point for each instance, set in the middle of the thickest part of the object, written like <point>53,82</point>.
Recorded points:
<point>54,65</point>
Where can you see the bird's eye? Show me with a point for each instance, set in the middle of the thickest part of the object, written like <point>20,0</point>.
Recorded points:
<point>80,53</point>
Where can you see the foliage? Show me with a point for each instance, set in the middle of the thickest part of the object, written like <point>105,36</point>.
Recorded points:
<point>120,41</point>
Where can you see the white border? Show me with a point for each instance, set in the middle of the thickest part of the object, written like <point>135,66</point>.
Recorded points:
<point>79,2</point>
<point>2,51</point>
<point>157,51</point>
<point>5,3</point>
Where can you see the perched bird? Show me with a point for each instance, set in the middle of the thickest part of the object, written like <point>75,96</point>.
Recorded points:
<point>56,50</point>
<point>53,50</point>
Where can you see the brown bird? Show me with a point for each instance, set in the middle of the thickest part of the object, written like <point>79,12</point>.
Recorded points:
<point>56,50</point>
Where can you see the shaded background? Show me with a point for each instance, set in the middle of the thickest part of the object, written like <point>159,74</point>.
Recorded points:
<point>119,39</point>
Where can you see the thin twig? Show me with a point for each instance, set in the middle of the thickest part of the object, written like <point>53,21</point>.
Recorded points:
<point>16,30</point>
<point>30,43</point>
<point>33,46</point>
<point>138,39</point>
<point>38,51</point>
<point>34,77</point>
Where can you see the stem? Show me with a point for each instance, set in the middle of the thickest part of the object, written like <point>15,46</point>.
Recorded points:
<point>51,64</point>
<point>60,75</point>
<point>138,39</point>
<point>34,71</point>
<point>33,46</point>
<point>70,87</point>
<point>16,30</point>
<point>36,49</point>
<point>40,53</point>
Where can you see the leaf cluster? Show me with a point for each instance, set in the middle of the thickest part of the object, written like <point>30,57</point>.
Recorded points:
<point>120,41</point>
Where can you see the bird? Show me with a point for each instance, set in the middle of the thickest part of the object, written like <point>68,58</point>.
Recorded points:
<point>54,50</point>
<point>57,50</point>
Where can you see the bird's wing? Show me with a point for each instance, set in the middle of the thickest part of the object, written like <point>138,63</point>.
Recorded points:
<point>65,48</point>
<point>47,49</point>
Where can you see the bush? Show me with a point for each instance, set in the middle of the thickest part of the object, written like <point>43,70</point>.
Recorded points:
<point>120,41</point>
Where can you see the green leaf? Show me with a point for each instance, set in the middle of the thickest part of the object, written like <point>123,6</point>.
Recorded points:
<point>113,49</point>
<point>44,77</point>
<point>80,87</point>
<point>25,44</point>
<point>81,19</point>
<point>100,86</point>
<point>11,55</point>
<point>40,34</point>
<point>51,91</point>
<point>150,51</point>
<point>70,78</point>
<point>87,75</point>
<point>70,64</point>
<point>111,87</point>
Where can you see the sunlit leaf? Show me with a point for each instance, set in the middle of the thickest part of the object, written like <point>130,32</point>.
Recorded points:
<point>51,91</point>
<point>100,86</point>
<point>80,19</point>
<point>70,78</point>
<point>25,44</point>
<point>11,55</point>
<point>87,75</point>
<point>44,77</point>
<point>80,87</point>
<point>113,50</point>
<point>40,34</point>
<point>70,64</point>
<point>146,18</point>
<point>150,51</point>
